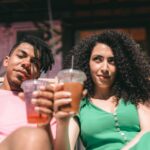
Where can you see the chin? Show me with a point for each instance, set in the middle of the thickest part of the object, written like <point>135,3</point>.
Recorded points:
<point>104,86</point>
<point>17,82</point>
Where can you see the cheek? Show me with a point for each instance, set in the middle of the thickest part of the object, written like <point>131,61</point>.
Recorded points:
<point>94,67</point>
<point>35,71</point>
<point>113,70</point>
<point>10,64</point>
<point>13,61</point>
<point>94,70</point>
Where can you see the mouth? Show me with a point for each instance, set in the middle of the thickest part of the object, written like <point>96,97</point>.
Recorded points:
<point>23,75</point>
<point>104,77</point>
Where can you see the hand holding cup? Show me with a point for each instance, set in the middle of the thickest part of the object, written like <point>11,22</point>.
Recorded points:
<point>38,96</point>
<point>73,82</point>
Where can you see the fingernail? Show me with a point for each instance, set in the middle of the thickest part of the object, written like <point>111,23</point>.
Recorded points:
<point>61,83</point>
<point>68,100</point>
<point>67,94</point>
<point>35,93</point>
<point>36,109</point>
<point>72,113</point>
<point>42,87</point>
<point>33,100</point>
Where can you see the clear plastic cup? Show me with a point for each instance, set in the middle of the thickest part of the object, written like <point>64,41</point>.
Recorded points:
<point>73,82</point>
<point>29,86</point>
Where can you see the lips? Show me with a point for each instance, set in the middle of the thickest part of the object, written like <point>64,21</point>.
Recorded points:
<point>23,74</point>
<point>104,76</point>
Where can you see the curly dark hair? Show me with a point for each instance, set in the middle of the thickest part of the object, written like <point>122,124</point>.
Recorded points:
<point>133,68</point>
<point>46,59</point>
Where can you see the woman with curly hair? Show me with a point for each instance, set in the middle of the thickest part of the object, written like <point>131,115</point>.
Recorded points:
<point>115,114</point>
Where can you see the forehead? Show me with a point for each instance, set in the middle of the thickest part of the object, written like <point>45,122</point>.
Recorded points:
<point>102,49</point>
<point>26,48</point>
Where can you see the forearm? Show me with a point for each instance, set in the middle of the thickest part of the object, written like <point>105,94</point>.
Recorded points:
<point>134,140</point>
<point>62,138</point>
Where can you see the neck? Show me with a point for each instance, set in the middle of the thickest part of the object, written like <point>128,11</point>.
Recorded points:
<point>6,86</point>
<point>103,94</point>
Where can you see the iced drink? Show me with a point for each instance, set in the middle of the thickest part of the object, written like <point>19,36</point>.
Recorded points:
<point>29,86</point>
<point>73,82</point>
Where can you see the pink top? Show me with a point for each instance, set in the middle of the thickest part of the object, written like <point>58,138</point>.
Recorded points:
<point>13,114</point>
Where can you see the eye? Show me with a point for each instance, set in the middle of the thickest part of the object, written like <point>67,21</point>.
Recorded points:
<point>98,59</point>
<point>20,55</point>
<point>36,62</point>
<point>111,60</point>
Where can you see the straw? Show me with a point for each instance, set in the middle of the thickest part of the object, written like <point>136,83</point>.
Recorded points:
<point>72,62</point>
<point>72,65</point>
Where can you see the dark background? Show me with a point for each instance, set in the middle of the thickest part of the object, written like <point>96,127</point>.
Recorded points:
<point>78,16</point>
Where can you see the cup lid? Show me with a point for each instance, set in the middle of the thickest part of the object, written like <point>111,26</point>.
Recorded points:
<point>71,75</point>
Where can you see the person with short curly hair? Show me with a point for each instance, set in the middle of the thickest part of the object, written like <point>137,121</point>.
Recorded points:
<point>115,112</point>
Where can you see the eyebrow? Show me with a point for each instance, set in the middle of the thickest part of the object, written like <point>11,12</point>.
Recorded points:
<point>24,52</point>
<point>103,56</point>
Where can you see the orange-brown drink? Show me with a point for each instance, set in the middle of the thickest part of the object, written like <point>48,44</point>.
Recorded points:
<point>73,82</point>
<point>29,86</point>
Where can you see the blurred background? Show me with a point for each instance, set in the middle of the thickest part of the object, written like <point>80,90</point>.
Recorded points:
<point>62,23</point>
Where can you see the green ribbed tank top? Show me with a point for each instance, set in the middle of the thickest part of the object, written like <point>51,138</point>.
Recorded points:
<point>101,130</point>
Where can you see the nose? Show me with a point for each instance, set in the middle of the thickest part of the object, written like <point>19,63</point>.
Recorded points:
<point>26,64</point>
<point>104,67</point>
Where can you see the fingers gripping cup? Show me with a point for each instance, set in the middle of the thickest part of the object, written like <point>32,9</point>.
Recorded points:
<point>73,82</point>
<point>29,86</point>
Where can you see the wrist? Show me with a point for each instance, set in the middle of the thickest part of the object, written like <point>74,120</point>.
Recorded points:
<point>63,122</point>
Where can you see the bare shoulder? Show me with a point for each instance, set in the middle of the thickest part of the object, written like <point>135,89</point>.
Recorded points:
<point>144,115</point>
<point>144,106</point>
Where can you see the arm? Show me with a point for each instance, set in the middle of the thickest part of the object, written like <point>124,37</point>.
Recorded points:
<point>144,118</point>
<point>67,128</point>
<point>66,135</point>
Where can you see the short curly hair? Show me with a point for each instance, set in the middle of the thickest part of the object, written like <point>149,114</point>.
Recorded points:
<point>133,68</point>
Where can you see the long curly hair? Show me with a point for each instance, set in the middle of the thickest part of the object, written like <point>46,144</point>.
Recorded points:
<point>133,67</point>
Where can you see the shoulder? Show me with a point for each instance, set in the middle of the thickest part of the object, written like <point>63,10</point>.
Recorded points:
<point>83,105</point>
<point>144,115</point>
<point>83,102</point>
<point>144,106</point>
<point>143,109</point>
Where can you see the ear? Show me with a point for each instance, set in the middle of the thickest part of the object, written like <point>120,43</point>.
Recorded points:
<point>6,61</point>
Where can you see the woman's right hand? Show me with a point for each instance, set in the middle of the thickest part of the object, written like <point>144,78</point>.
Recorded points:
<point>61,98</point>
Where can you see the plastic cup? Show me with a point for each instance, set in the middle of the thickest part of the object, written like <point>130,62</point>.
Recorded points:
<point>29,86</point>
<point>73,82</point>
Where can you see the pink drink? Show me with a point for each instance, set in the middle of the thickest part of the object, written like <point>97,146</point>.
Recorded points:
<point>32,115</point>
<point>29,86</point>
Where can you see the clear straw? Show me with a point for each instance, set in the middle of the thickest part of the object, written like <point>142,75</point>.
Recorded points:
<point>72,62</point>
<point>72,65</point>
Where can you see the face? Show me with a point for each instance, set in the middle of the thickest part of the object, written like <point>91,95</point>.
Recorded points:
<point>21,65</point>
<point>102,66</point>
